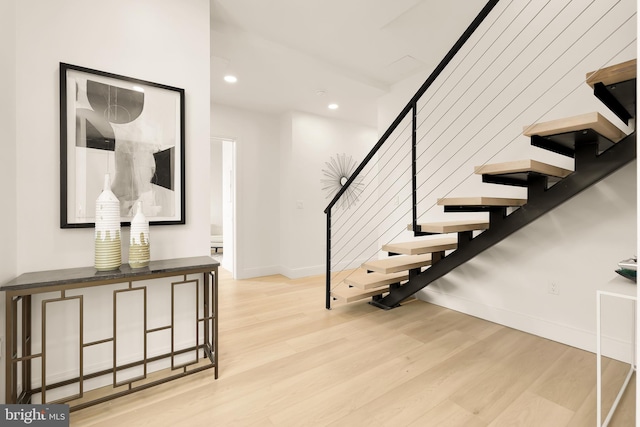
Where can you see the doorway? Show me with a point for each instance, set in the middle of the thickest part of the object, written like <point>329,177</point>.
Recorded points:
<point>223,197</point>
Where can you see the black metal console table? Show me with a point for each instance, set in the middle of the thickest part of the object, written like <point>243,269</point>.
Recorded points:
<point>29,296</point>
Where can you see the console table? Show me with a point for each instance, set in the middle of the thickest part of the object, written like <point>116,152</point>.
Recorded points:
<point>162,306</point>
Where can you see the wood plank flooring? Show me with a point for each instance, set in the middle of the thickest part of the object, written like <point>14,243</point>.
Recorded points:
<point>286,361</point>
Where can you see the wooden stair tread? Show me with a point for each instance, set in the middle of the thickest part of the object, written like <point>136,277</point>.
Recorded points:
<point>481,201</point>
<point>364,280</point>
<point>394,264</point>
<point>519,166</point>
<point>347,294</point>
<point>446,227</point>
<point>594,121</point>
<point>417,247</point>
<point>614,74</point>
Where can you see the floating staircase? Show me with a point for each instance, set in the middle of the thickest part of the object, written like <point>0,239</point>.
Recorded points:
<point>599,148</point>
<point>450,227</point>
<point>418,247</point>
<point>479,204</point>
<point>518,172</point>
<point>564,136</point>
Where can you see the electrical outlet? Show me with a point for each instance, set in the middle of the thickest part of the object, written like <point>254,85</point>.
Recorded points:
<point>554,288</point>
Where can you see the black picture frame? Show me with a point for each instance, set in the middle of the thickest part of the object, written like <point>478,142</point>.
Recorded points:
<point>131,129</point>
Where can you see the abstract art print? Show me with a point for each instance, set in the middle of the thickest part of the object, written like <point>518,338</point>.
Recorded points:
<point>128,128</point>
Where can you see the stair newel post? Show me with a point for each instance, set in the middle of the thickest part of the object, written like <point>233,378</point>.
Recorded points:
<point>414,169</point>
<point>328,267</point>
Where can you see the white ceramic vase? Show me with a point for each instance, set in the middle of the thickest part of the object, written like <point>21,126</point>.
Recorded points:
<point>108,248</point>
<point>139,240</point>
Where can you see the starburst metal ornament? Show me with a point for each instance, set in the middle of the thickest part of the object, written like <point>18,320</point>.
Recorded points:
<point>337,173</point>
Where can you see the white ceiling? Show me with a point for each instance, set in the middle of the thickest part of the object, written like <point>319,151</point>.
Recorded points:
<point>286,52</point>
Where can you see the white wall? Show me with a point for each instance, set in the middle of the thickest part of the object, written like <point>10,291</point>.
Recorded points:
<point>216,184</point>
<point>8,213</point>
<point>280,205</point>
<point>286,187</point>
<point>313,141</point>
<point>257,186</point>
<point>577,246</point>
<point>228,201</point>
<point>143,39</point>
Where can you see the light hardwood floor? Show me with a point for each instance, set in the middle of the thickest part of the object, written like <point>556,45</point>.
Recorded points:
<point>286,361</point>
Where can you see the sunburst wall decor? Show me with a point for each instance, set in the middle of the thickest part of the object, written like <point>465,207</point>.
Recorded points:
<point>338,171</point>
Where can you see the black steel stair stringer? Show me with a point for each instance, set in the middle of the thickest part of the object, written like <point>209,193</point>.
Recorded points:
<point>587,174</point>
<point>619,97</point>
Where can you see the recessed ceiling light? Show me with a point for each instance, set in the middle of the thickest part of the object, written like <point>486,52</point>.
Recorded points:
<point>230,79</point>
<point>333,106</point>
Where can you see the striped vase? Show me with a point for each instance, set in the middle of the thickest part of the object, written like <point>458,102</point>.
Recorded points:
<point>139,240</point>
<point>108,248</point>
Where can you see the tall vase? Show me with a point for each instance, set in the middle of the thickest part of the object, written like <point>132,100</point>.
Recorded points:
<point>108,248</point>
<point>139,240</point>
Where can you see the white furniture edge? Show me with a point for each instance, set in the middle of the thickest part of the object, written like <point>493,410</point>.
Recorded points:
<point>632,368</point>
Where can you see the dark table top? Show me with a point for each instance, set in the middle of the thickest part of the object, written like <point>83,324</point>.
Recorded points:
<point>68,276</point>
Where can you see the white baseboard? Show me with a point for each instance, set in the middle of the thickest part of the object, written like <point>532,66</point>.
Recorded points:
<point>297,273</point>
<point>562,333</point>
<point>249,273</point>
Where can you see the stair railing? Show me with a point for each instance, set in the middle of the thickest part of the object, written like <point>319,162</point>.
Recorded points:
<point>410,107</point>
<point>406,162</point>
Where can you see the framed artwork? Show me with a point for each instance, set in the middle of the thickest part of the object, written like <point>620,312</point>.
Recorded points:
<point>128,128</point>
